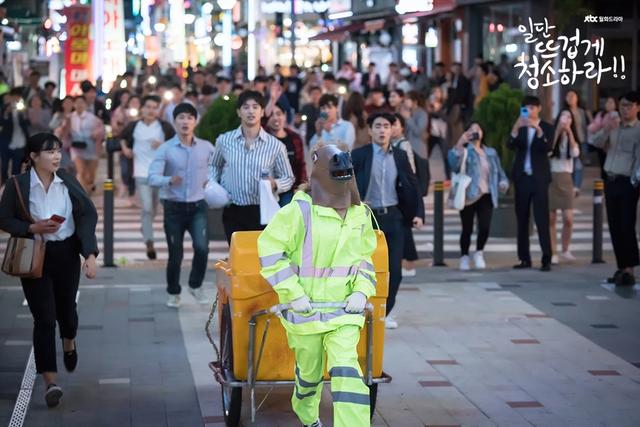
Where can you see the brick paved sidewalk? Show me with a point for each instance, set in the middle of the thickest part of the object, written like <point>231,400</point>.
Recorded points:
<point>481,348</point>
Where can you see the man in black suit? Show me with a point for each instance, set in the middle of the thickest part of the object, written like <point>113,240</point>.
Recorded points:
<point>387,184</point>
<point>294,87</point>
<point>94,105</point>
<point>370,79</point>
<point>459,102</point>
<point>532,140</point>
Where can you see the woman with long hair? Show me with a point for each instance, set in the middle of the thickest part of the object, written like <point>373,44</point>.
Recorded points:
<point>604,117</point>
<point>580,118</point>
<point>38,116</point>
<point>354,112</point>
<point>120,118</point>
<point>60,124</point>
<point>87,135</point>
<point>58,211</point>
<point>396,98</point>
<point>561,192</point>
<point>487,180</point>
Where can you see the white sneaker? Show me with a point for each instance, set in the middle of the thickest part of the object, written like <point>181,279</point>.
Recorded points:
<point>199,295</point>
<point>567,256</point>
<point>554,260</point>
<point>478,261</point>
<point>408,272</point>
<point>465,262</point>
<point>173,301</point>
<point>390,323</point>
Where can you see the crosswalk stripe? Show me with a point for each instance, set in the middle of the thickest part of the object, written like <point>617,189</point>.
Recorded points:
<point>129,243</point>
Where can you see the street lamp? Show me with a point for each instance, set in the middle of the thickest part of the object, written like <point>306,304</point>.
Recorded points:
<point>227,24</point>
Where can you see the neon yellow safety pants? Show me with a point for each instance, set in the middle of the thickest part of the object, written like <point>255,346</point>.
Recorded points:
<point>350,393</point>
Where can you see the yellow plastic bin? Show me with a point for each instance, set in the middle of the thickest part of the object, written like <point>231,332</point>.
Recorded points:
<point>242,292</point>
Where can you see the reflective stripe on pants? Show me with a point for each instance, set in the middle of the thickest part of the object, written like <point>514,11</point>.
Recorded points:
<point>350,393</point>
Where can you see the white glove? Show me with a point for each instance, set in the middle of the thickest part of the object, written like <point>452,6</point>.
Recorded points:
<point>356,302</point>
<point>302,304</point>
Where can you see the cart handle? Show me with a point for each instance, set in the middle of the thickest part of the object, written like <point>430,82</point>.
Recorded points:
<point>224,266</point>
<point>342,304</point>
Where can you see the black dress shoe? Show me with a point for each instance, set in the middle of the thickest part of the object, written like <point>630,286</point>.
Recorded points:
<point>615,277</point>
<point>626,279</point>
<point>546,267</point>
<point>151,252</point>
<point>70,359</point>
<point>522,265</point>
<point>52,395</point>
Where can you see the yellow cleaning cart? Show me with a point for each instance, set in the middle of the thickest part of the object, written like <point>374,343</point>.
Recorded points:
<point>246,307</point>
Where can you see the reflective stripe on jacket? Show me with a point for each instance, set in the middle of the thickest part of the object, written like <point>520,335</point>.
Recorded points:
<point>310,250</point>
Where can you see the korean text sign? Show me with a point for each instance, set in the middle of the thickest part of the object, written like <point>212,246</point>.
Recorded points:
<point>563,59</point>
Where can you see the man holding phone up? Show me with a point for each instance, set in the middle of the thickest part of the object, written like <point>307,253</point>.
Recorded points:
<point>621,141</point>
<point>532,139</point>
<point>329,127</point>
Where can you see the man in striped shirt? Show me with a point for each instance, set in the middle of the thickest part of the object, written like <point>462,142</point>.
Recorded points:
<point>242,157</point>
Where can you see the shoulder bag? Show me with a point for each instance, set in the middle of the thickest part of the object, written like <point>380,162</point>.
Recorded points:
<point>459,183</point>
<point>24,257</point>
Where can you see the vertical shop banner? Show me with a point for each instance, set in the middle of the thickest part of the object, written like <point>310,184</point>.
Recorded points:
<point>78,49</point>
<point>177,41</point>
<point>114,60</point>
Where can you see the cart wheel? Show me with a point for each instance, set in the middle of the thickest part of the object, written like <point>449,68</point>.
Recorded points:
<point>231,396</point>
<point>373,395</point>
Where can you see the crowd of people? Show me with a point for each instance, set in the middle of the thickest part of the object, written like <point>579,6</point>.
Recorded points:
<point>284,116</point>
<point>385,132</point>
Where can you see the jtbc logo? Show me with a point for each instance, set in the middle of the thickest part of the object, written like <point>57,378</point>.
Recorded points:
<point>590,18</point>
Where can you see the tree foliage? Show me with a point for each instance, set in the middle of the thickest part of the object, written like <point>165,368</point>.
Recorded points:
<point>221,117</point>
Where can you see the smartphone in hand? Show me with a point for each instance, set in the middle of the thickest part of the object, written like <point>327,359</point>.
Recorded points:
<point>57,218</point>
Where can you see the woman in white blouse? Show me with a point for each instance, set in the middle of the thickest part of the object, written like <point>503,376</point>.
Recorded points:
<point>561,194</point>
<point>60,213</point>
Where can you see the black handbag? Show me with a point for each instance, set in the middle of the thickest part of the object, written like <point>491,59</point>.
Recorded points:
<point>79,144</point>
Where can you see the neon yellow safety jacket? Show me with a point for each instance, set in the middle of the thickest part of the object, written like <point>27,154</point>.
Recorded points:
<point>310,250</point>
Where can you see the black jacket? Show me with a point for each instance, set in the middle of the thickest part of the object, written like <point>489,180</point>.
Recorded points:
<point>409,199</point>
<point>6,124</point>
<point>101,112</point>
<point>460,95</point>
<point>365,83</point>
<point>540,148</point>
<point>85,216</point>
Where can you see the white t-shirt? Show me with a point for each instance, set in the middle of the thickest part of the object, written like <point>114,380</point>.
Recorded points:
<point>564,163</point>
<point>143,152</point>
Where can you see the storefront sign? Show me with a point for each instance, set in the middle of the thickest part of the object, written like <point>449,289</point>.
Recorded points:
<point>410,34</point>
<point>114,61</point>
<point>177,40</point>
<point>411,6</point>
<point>301,6</point>
<point>337,6</point>
<point>78,48</point>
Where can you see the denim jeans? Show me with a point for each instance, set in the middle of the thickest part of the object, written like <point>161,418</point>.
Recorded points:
<point>149,199</point>
<point>178,218</point>
<point>126,174</point>
<point>578,172</point>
